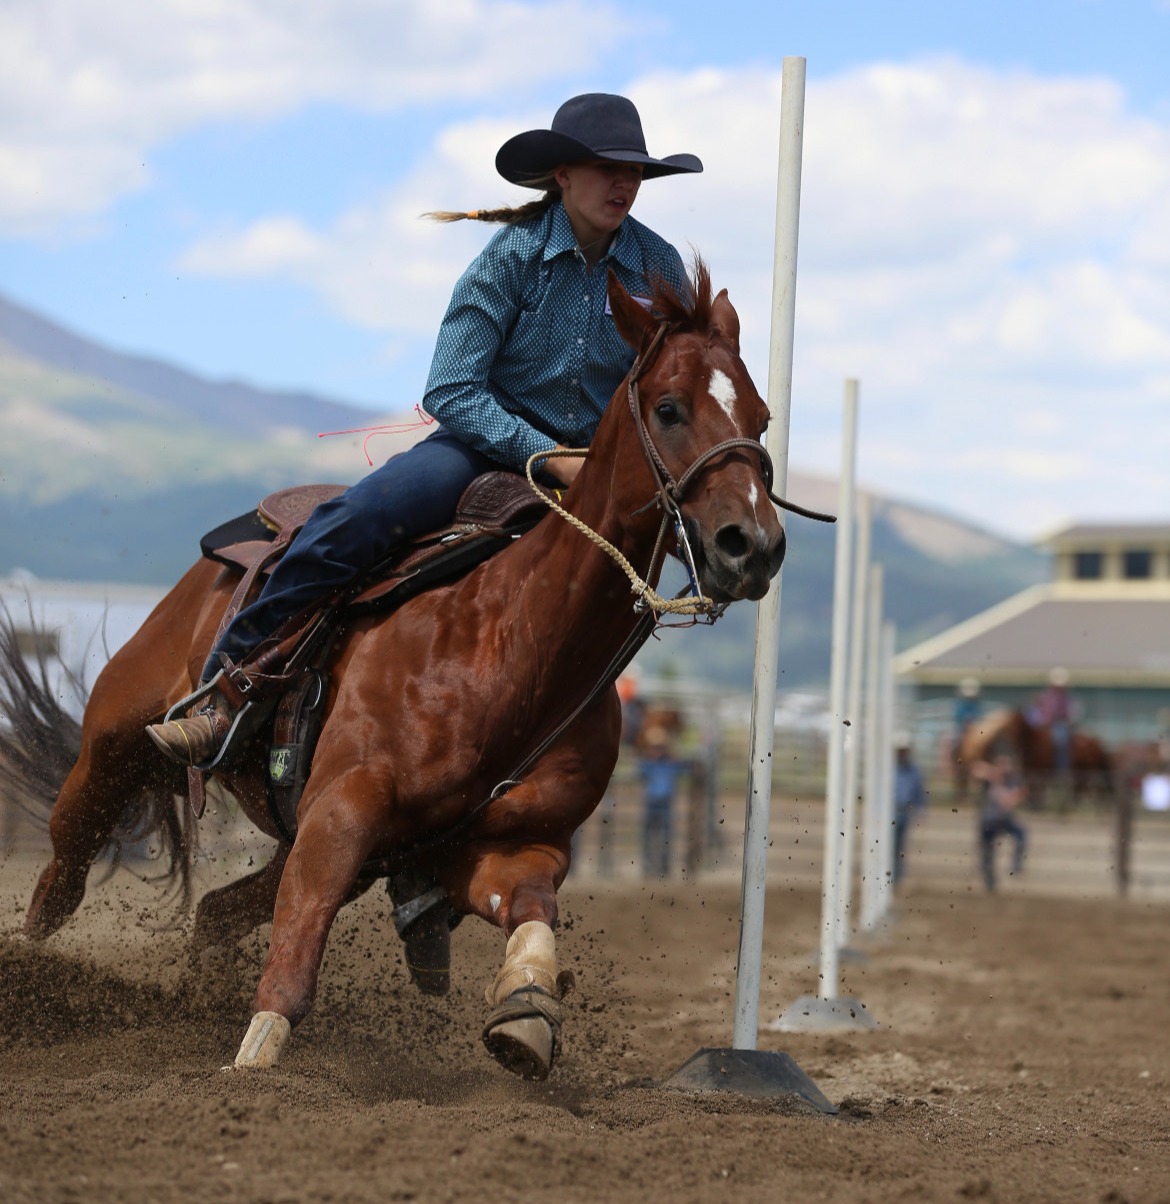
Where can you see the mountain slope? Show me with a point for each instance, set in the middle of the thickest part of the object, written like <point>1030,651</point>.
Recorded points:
<point>239,407</point>
<point>113,466</point>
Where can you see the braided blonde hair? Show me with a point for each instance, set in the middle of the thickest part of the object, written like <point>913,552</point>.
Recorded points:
<point>507,214</point>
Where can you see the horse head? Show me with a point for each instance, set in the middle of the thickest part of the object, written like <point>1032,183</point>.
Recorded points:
<point>700,420</point>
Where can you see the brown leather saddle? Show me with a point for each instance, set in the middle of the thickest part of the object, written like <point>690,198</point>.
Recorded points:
<point>494,509</point>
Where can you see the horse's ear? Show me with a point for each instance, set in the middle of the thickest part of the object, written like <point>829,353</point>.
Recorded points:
<point>724,320</point>
<point>634,323</point>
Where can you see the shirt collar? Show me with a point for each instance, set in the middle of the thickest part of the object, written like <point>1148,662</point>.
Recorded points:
<point>625,248</point>
<point>561,239</point>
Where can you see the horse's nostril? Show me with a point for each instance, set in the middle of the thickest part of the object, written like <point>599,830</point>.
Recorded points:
<point>732,542</point>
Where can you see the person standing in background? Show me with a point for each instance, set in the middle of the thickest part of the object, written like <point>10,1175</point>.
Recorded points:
<point>909,798</point>
<point>660,770</point>
<point>1004,792</point>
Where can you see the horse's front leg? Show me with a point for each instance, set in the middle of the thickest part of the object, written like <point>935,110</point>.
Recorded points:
<point>510,877</point>
<point>333,843</point>
<point>515,887</point>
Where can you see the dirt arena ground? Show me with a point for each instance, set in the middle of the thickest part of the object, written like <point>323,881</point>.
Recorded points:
<point>1023,1054</point>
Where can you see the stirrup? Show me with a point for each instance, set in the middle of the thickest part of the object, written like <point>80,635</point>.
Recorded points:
<point>246,723</point>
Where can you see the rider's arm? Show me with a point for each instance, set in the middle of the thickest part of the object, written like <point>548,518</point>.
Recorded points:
<point>484,308</point>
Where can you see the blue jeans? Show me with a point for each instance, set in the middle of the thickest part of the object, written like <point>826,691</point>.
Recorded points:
<point>411,494</point>
<point>903,819</point>
<point>991,828</point>
<point>1061,734</point>
<point>656,831</point>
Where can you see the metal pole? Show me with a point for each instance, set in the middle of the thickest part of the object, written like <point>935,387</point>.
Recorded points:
<point>834,783</point>
<point>874,835</point>
<point>763,737</point>
<point>858,629</point>
<point>886,771</point>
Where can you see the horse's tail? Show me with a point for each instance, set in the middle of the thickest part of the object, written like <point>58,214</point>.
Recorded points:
<point>40,741</point>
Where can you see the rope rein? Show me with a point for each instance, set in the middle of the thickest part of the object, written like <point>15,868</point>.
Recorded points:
<point>646,593</point>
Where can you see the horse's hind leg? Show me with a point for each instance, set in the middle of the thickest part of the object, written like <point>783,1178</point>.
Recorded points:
<point>116,765</point>
<point>230,912</point>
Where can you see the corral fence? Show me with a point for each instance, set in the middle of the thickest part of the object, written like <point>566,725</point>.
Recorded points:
<point>1120,848</point>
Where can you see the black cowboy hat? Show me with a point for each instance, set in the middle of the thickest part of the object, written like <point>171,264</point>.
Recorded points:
<point>594,126</point>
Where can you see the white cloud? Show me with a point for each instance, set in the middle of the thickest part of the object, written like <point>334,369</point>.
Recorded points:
<point>985,250</point>
<point>381,265</point>
<point>88,91</point>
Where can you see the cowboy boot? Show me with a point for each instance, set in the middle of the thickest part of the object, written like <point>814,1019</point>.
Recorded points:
<point>196,739</point>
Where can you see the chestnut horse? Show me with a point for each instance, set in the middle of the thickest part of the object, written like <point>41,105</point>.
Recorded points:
<point>432,709</point>
<point>1011,731</point>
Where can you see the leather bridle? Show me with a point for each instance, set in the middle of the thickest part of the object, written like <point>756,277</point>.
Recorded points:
<point>671,490</point>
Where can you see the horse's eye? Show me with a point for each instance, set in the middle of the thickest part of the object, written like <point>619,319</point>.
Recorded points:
<point>667,412</point>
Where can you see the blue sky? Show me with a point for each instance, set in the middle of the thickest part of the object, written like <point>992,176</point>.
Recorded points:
<point>985,221</point>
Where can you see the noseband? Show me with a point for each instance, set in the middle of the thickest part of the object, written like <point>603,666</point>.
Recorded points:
<point>669,497</point>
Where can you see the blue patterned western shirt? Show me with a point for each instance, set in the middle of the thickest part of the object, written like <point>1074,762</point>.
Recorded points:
<point>528,355</point>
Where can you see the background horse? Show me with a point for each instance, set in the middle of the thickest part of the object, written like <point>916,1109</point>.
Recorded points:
<point>1090,763</point>
<point>432,711</point>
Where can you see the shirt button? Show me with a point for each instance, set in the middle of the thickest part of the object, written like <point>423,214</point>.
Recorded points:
<point>579,342</point>
<point>586,296</point>
<point>573,381</point>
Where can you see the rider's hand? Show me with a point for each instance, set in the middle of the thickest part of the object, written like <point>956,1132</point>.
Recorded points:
<point>563,470</point>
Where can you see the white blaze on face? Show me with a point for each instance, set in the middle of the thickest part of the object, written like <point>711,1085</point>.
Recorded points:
<point>721,388</point>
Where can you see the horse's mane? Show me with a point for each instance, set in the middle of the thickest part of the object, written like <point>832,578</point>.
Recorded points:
<point>691,312</point>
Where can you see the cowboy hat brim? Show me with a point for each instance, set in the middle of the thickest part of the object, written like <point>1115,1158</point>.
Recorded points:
<point>528,156</point>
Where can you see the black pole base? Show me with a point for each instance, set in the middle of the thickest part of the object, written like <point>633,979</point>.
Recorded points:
<point>759,1073</point>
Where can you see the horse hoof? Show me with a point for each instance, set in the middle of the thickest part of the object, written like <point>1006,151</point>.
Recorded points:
<point>523,1033</point>
<point>525,1047</point>
<point>263,1041</point>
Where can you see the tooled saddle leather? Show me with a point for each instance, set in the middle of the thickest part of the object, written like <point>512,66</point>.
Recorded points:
<point>494,508</point>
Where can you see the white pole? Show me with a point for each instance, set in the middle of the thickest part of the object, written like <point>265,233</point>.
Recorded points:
<point>874,836</point>
<point>886,771</point>
<point>834,783</point>
<point>858,628</point>
<point>763,737</point>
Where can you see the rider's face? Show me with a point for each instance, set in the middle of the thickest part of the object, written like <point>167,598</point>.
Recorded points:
<point>597,196</point>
